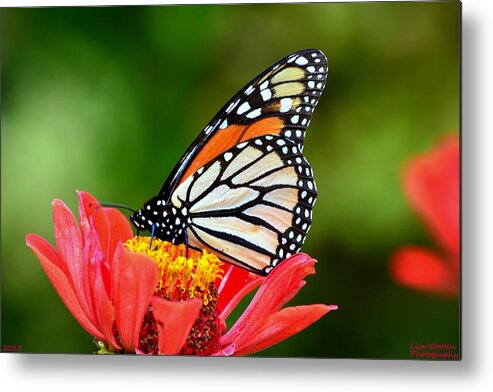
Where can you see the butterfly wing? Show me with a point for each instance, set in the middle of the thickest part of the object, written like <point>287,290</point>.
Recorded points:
<point>280,101</point>
<point>252,205</point>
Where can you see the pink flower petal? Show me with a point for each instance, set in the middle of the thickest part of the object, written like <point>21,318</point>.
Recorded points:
<point>92,214</point>
<point>104,310</point>
<point>225,351</point>
<point>68,238</point>
<point>283,324</point>
<point>432,184</point>
<point>134,278</point>
<point>119,229</point>
<point>232,276</point>
<point>97,282</point>
<point>252,283</point>
<point>52,265</point>
<point>70,245</point>
<point>424,270</point>
<point>44,247</point>
<point>174,321</point>
<point>232,288</point>
<point>280,286</point>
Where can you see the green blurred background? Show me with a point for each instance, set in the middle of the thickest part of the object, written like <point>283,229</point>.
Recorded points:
<point>107,99</point>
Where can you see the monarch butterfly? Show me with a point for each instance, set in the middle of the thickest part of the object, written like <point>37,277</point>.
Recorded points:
<point>243,189</point>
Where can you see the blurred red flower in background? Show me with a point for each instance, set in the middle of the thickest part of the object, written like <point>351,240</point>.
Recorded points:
<point>136,299</point>
<point>431,184</point>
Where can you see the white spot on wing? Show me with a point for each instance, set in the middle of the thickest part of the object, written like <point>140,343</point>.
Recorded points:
<point>254,113</point>
<point>232,105</point>
<point>224,124</point>
<point>266,94</point>
<point>290,60</point>
<point>245,106</point>
<point>285,105</point>
<point>301,61</point>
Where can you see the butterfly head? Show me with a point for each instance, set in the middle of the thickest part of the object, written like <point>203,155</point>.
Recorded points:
<point>167,222</point>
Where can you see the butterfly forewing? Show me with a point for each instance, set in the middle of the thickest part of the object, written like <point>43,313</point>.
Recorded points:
<point>252,205</point>
<point>280,101</point>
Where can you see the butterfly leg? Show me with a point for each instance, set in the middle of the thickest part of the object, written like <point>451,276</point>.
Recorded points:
<point>152,235</point>
<point>186,244</point>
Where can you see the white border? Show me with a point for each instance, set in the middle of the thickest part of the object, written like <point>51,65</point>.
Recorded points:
<point>41,3</point>
<point>474,373</point>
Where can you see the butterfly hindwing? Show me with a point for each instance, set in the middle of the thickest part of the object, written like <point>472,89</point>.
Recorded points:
<point>252,205</point>
<point>280,101</point>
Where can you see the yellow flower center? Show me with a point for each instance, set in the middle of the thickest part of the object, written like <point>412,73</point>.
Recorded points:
<point>183,276</point>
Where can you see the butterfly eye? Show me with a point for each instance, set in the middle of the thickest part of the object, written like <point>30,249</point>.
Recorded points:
<point>138,219</point>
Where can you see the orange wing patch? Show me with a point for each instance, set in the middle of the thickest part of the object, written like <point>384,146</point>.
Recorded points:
<point>267,126</point>
<point>229,137</point>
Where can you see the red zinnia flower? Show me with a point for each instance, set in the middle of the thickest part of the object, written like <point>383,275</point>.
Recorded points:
<point>431,183</point>
<point>137,299</point>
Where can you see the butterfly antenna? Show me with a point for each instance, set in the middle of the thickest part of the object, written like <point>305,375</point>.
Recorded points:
<point>116,205</point>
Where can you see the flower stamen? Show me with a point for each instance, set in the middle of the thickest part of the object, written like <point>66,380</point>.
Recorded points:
<point>180,277</point>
